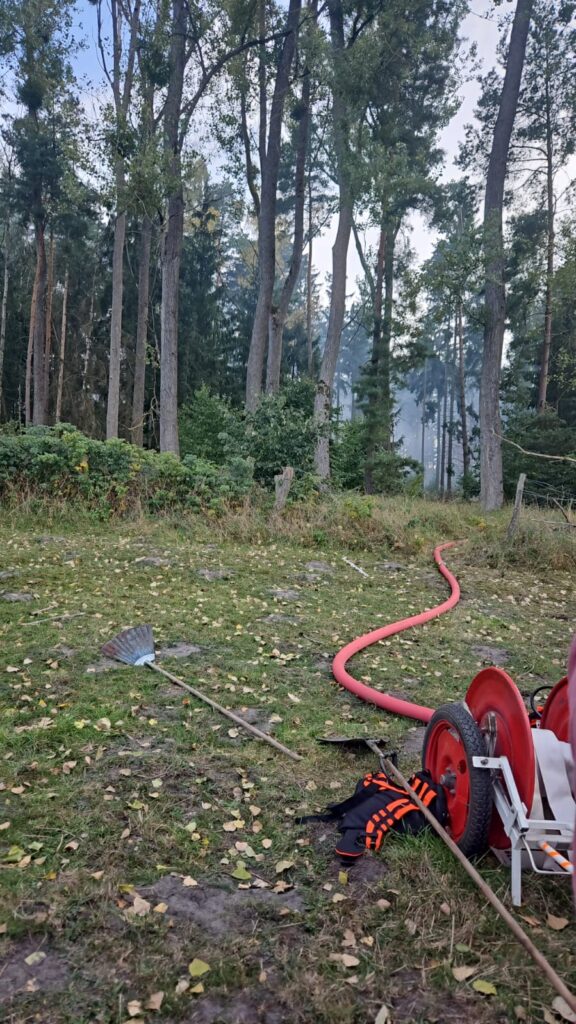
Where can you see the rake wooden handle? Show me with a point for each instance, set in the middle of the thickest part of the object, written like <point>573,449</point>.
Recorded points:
<point>224,711</point>
<point>519,933</point>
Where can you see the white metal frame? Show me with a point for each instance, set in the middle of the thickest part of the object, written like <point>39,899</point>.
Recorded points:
<point>525,833</point>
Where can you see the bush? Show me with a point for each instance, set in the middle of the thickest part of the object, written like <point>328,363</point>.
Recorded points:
<point>391,471</point>
<point>113,477</point>
<point>204,425</point>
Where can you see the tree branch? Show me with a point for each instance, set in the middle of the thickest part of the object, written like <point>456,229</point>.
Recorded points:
<point>537,455</point>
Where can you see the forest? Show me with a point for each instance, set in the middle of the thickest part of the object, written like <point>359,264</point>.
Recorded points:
<point>170,174</point>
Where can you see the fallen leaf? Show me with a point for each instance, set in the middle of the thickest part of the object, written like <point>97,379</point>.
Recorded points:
<point>155,1001</point>
<point>35,958</point>
<point>182,986</point>
<point>241,872</point>
<point>343,877</point>
<point>125,833</point>
<point>140,907</point>
<point>4,825</point>
<point>349,938</point>
<point>157,783</point>
<point>411,926</point>
<point>367,940</point>
<point>196,968</point>
<point>103,725</point>
<point>266,843</point>
<point>282,886</point>
<point>485,987</point>
<point>230,826</point>
<point>462,973</point>
<point>134,1007</point>
<point>197,989</point>
<point>461,947</point>
<point>383,1016</point>
<point>383,904</point>
<point>520,1013</point>
<point>532,921</point>
<point>97,875</point>
<point>233,733</point>
<point>338,897</point>
<point>3,929</point>
<point>445,909</point>
<point>189,882</point>
<point>560,1006</point>
<point>557,923</point>
<point>550,1018</point>
<point>72,845</point>
<point>160,908</point>
<point>284,865</point>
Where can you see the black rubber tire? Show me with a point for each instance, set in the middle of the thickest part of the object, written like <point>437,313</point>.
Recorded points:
<point>474,840</point>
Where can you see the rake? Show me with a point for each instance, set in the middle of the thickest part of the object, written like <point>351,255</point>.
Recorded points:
<point>135,646</point>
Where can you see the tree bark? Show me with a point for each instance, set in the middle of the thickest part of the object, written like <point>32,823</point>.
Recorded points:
<point>444,421</point>
<point>3,312</point>
<point>547,342</point>
<point>462,383</point>
<point>267,219</point>
<point>48,325</point>
<point>37,329</point>
<point>113,406</point>
<point>322,402</point>
<point>279,313</point>
<point>309,340</point>
<point>449,464</point>
<point>438,436</point>
<point>137,432</point>
<point>491,487</point>
<point>62,353</point>
<point>423,434</point>
<point>173,236</point>
<point>375,359</point>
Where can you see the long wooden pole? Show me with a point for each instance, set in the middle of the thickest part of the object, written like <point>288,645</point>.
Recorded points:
<point>224,711</point>
<point>485,889</point>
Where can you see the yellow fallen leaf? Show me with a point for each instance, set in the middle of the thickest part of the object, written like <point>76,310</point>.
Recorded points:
<point>557,923</point>
<point>338,897</point>
<point>160,908</point>
<point>284,865</point>
<point>343,877</point>
<point>196,968</point>
<point>485,987</point>
<point>97,875</point>
<point>266,843</point>
<point>197,989</point>
<point>241,873</point>
<point>157,783</point>
<point>35,958</point>
<point>462,973</point>
<point>134,1007</point>
<point>154,1002</point>
<point>189,882</point>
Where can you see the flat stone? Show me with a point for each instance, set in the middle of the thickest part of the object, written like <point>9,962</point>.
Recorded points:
<point>389,566</point>
<point>49,539</point>
<point>490,655</point>
<point>290,620</point>
<point>178,650</point>
<point>318,567</point>
<point>286,595</point>
<point>152,560</point>
<point>7,574</point>
<point>214,574</point>
<point>7,595</point>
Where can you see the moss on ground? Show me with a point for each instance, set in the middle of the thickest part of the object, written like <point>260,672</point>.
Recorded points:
<point>116,784</point>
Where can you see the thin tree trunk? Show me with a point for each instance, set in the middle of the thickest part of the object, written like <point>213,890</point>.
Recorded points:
<point>438,436</point>
<point>323,397</point>
<point>3,313</point>
<point>373,410</point>
<point>137,432</point>
<point>37,330</point>
<point>267,218</point>
<point>491,486</point>
<point>113,407</point>
<point>423,437</point>
<point>462,381</point>
<point>279,313</point>
<point>173,237</point>
<point>309,343</point>
<point>62,353</point>
<point>48,325</point>
<point>547,343</point>
<point>444,422</point>
<point>449,465</point>
<point>386,365</point>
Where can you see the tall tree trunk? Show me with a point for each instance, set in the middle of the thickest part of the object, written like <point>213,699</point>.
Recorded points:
<point>62,353</point>
<point>48,325</point>
<point>137,432</point>
<point>173,236</point>
<point>3,313</point>
<point>491,486</point>
<point>462,384</point>
<point>438,437</point>
<point>444,422</point>
<point>279,313</point>
<point>267,218</point>
<point>322,401</point>
<point>449,461</point>
<point>113,407</point>
<point>37,329</point>
<point>423,435</point>
<point>373,410</point>
<point>547,342</point>
<point>309,340</point>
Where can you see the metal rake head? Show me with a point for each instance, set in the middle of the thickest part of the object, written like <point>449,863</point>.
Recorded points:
<point>134,646</point>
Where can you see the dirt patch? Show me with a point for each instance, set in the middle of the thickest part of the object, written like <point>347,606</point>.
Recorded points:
<point>491,655</point>
<point>321,567</point>
<point>286,595</point>
<point>152,560</point>
<point>17,978</point>
<point>252,1006</point>
<point>417,1003</point>
<point>214,574</point>
<point>289,620</point>
<point>182,649</point>
<point>413,741</point>
<point>219,911</point>
<point>389,567</point>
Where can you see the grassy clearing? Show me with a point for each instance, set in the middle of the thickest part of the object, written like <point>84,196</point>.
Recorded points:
<point>115,785</point>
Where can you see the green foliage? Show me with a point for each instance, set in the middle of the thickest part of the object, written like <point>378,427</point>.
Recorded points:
<point>113,477</point>
<point>545,433</point>
<point>391,471</point>
<point>205,423</point>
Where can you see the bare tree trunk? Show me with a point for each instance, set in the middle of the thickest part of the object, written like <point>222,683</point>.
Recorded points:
<point>423,434</point>
<point>267,218</point>
<point>137,432</point>
<point>438,436</point>
<point>309,341</point>
<point>491,487</point>
<point>48,325</point>
<point>373,410</point>
<point>547,343</point>
<point>323,397</point>
<point>462,381</point>
<point>62,353</point>
<point>279,313</point>
<point>449,465</point>
<point>37,330</point>
<point>3,314</point>
<point>444,422</point>
<point>173,237</point>
<point>113,407</point>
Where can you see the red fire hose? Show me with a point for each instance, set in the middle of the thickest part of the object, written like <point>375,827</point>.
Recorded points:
<point>383,700</point>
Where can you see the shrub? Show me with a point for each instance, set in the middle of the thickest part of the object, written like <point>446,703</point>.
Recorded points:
<point>204,425</point>
<point>113,477</point>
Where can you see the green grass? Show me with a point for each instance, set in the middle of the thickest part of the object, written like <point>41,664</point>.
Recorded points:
<point>105,805</point>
